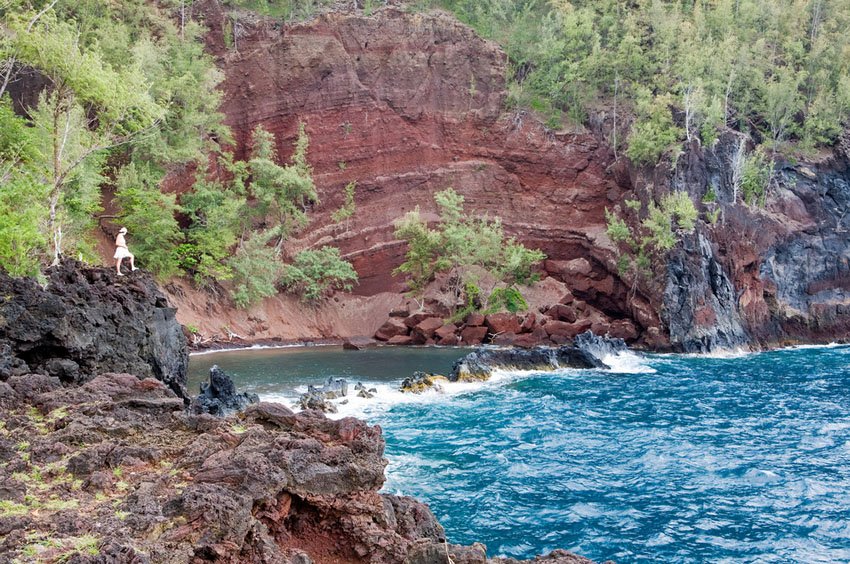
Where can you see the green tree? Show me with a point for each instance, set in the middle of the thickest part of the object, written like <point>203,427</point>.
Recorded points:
<point>256,269</point>
<point>281,192</point>
<point>149,215</point>
<point>459,241</point>
<point>314,273</point>
<point>90,108</point>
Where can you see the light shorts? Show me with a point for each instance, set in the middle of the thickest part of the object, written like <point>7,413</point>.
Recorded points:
<point>121,253</point>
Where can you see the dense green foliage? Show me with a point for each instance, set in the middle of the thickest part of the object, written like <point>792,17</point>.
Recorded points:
<point>458,242</point>
<point>129,95</point>
<point>149,215</point>
<point>778,70</point>
<point>314,273</point>
<point>123,84</point>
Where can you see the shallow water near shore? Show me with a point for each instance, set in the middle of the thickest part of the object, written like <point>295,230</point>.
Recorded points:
<point>673,458</point>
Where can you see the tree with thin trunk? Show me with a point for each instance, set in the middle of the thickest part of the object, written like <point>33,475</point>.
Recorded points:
<point>86,109</point>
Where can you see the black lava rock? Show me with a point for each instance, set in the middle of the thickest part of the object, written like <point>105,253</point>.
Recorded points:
<point>219,396</point>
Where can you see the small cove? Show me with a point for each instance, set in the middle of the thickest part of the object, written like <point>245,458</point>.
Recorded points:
<point>677,458</point>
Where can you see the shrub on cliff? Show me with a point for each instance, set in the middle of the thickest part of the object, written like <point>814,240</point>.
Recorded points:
<point>459,241</point>
<point>314,273</point>
<point>654,234</point>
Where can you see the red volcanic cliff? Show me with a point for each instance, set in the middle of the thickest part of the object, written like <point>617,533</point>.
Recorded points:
<point>407,105</point>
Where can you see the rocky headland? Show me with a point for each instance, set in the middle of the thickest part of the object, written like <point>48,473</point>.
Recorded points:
<point>106,463</point>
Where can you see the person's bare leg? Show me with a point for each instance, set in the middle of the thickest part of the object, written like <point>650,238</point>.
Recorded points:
<point>118,266</point>
<point>132,262</point>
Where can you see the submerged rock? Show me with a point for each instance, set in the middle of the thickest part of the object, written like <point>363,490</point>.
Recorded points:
<point>362,392</point>
<point>219,396</point>
<point>587,352</point>
<point>333,388</point>
<point>422,381</point>
<point>317,398</point>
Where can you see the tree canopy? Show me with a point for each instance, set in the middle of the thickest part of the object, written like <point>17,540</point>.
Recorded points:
<point>125,94</point>
<point>778,70</point>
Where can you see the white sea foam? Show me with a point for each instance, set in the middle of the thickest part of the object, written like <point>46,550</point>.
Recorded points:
<point>628,363</point>
<point>826,346</point>
<point>388,394</point>
<point>263,347</point>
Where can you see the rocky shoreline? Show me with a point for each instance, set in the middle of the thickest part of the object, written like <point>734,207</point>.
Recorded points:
<point>106,461</point>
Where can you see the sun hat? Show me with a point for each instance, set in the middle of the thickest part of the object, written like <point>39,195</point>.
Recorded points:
<point>122,230</point>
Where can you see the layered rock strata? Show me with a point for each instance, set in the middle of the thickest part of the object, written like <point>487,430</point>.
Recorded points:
<point>407,104</point>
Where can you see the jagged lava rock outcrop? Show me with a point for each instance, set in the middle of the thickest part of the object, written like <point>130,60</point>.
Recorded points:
<point>407,104</point>
<point>219,396</point>
<point>118,465</point>
<point>587,351</point>
<point>87,320</point>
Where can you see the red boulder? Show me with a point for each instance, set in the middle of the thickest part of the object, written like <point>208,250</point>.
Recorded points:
<point>502,323</point>
<point>473,335</point>
<point>393,327</point>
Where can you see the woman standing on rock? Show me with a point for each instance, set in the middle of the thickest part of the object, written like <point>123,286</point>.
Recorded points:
<point>122,252</point>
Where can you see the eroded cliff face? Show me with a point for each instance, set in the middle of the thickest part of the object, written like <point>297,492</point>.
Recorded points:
<point>763,275</point>
<point>407,105</point>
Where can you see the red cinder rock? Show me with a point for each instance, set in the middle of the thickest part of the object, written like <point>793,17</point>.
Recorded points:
<point>504,339</point>
<point>535,338</point>
<point>393,327</point>
<point>559,339</point>
<point>531,321</point>
<point>449,341</point>
<point>426,329</point>
<point>600,326</point>
<point>581,325</point>
<point>401,340</point>
<point>474,320</point>
<point>623,329</point>
<point>447,330</point>
<point>605,286</point>
<point>562,312</point>
<point>502,323</point>
<point>417,318</point>
<point>567,298</point>
<point>473,335</point>
<point>555,327</point>
<point>566,330</point>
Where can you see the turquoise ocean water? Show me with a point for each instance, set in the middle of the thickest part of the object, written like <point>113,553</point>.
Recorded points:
<point>738,458</point>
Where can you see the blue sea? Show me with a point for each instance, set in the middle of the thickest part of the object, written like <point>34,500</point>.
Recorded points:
<point>735,458</point>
